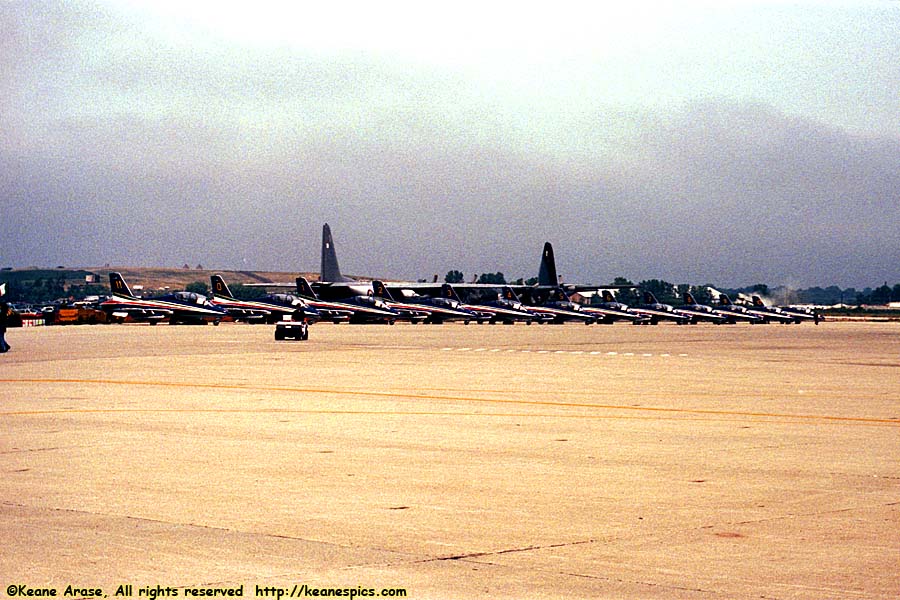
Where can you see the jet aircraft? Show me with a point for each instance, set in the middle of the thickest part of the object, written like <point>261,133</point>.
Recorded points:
<point>656,311</point>
<point>556,309</point>
<point>500,310</point>
<point>355,309</point>
<point>437,310</point>
<point>270,309</point>
<point>733,312</point>
<point>407,312</point>
<point>803,314</point>
<point>700,312</point>
<point>609,310</point>
<point>178,307</point>
<point>774,313</point>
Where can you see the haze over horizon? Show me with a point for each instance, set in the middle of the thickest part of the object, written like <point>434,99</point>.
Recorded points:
<point>728,143</point>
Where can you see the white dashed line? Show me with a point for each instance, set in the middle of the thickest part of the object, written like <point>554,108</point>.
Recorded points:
<point>572,352</point>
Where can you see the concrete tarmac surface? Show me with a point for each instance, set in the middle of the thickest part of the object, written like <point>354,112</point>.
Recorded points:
<point>454,461</point>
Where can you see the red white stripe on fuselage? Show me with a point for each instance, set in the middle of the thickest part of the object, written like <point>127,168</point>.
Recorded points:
<point>152,304</point>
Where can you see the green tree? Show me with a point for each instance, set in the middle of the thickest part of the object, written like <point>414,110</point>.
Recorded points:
<point>625,295</point>
<point>663,290</point>
<point>244,292</point>
<point>881,295</point>
<point>494,278</point>
<point>895,293</point>
<point>453,277</point>
<point>198,287</point>
<point>704,295</point>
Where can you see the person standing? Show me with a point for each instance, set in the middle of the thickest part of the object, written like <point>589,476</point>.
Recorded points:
<point>4,319</point>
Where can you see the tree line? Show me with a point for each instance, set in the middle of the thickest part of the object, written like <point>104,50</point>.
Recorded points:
<point>48,285</point>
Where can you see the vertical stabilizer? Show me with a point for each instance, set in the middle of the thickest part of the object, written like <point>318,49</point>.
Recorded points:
<point>330,270</point>
<point>547,272</point>
<point>689,298</point>
<point>304,290</point>
<point>118,286</point>
<point>649,298</point>
<point>447,291</point>
<point>559,295</point>
<point>510,294</point>
<point>219,287</point>
<point>379,291</point>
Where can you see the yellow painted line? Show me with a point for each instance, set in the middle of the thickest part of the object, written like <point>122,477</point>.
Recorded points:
<point>415,396</point>
<point>386,413</point>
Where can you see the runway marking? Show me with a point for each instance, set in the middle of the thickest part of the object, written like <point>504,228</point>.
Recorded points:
<point>572,352</point>
<point>327,411</point>
<point>432,397</point>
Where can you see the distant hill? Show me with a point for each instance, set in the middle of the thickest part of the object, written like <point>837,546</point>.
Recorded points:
<point>160,278</point>
<point>149,278</point>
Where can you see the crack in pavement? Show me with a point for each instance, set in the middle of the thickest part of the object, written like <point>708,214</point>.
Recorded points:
<point>507,551</point>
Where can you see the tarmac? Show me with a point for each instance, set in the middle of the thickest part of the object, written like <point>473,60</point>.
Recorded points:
<point>452,461</point>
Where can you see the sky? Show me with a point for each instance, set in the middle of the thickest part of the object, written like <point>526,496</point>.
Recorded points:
<point>730,143</point>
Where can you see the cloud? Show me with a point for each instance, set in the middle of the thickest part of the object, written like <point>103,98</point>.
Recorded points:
<point>127,143</point>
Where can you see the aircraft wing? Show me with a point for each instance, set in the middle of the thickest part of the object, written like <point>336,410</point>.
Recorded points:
<point>140,314</point>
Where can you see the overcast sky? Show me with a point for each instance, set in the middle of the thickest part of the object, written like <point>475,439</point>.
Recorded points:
<point>730,143</point>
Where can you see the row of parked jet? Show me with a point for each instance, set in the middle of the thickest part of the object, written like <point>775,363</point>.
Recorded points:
<point>339,299</point>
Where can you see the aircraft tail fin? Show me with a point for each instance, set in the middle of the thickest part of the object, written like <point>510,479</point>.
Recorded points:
<point>380,291</point>
<point>649,298</point>
<point>304,289</point>
<point>757,301</point>
<point>724,300</point>
<point>219,287</point>
<point>608,297</point>
<point>689,298</point>
<point>118,286</point>
<point>547,273</point>
<point>559,295</point>
<point>510,294</point>
<point>330,271</point>
<point>447,291</point>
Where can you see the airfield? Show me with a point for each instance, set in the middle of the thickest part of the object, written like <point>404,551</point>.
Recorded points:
<point>455,461</point>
